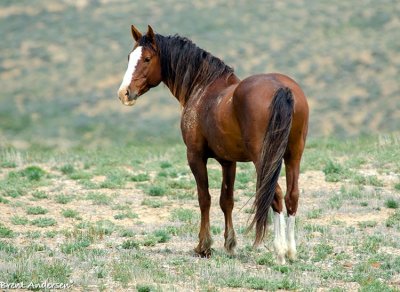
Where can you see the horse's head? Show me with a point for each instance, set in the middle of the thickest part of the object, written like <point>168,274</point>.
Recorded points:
<point>144,70</point>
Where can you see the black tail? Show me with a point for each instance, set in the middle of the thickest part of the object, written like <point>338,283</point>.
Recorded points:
<point>273,149</point>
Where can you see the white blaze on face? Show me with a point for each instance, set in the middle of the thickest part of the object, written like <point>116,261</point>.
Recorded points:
<point>134,58</point>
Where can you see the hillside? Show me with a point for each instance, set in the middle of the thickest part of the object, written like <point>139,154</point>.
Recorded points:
<point>61,63</point>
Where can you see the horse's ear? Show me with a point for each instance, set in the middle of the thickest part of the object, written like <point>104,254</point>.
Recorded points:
<point>135,33</point>
<point>150,34</point>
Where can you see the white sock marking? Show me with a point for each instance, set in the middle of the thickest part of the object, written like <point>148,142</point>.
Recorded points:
<point>280,244</point>
<point>291,238</point>
<point>134,58</point>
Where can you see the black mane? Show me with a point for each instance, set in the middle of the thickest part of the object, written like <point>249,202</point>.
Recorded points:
<point>186,69</point>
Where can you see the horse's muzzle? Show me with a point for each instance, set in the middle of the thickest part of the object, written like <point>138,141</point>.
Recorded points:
<point>127,97</point>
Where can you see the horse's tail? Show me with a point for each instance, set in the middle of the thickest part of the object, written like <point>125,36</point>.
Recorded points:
<point>270,163</point>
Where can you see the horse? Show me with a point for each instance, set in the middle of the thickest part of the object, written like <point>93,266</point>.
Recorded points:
<point>261,119</point>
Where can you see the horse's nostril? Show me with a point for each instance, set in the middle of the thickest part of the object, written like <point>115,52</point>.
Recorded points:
<point>127,93</point>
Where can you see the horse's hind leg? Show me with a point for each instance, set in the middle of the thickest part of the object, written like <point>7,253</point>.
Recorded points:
<point>226,203</point>
<point>292,165</point>
<point>280,244</point>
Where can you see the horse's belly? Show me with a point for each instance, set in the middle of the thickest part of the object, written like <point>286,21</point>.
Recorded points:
<point>228,149</point>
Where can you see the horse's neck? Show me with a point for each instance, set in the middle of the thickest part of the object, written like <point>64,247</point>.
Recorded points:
<point>218,85</point>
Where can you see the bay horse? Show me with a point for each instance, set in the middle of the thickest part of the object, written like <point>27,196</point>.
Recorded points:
<point>262,119</point>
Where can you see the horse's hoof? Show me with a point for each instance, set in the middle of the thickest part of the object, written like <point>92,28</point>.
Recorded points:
<point>206,253</point>
<point>230,249</point>
<point>230,243</point>
<point>291,254</point>
<point>280,259</point>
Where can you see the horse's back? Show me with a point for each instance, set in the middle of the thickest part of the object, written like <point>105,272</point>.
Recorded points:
<point>261,88</point>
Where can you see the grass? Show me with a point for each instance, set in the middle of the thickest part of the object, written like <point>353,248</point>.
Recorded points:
<point>130,244</point>
<point>99,199</point>
<point>162,235</point>
<point>39,195</point>
<point>153,203</point>
<point>334,171</point>
<point>8,248</point>
<point>5,232</point>
<point>44,222</point>
<point>38,271</point>
<point>69,213</point>
<point>145,288</point>
<point>77,245</point>
<point>141,177</point>
<point>367,224</point>
<point>397,187</point>
<point>321,252</point>
<point>393,220</point>
<point>71,128</point>
<point>33,173</point>
<point>129,215</point>
<point>4,200</point>
<point>119,247</point>
<point>392,203</point>
<point>64,199</point>
<point>183,215</point>
<point>156,191</point>
<point>36,210</point>
<point>67,169</point>
<point>18,220</point>
<point>314,214</point>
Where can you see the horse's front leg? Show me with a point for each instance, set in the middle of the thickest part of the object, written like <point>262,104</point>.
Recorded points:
<point>197,163</point>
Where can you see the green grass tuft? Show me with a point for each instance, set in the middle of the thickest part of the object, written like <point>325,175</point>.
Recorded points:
<point>314,214</point>
<point>44,222</point>
<point>141,177</point>
<point>183,215</point>
<point>397,187</point>
<point>334,171</point>
<point>69,213</point>
<point>33,173</point>
<point>5,232</point>
<point>78,245</point>
<point>4,200</point>
<point>36,210</point>
<point>99,199</point>
<point>367,224</point>
<point>145,288</point>
<point>267,259</point>
<point>67,169</point>
<point>162,235</point>
<point>165,164</point>
<point>39,195</point>
<point>8,248</point>
<point>156,191</point>
<point>130,244</point>
<point>392,203</point>
<point>64,199</point>
<point>17,220</point>
<point>128,214</point>
<point>394,220</point>
<point>153,203</point>
<point>321,252</point>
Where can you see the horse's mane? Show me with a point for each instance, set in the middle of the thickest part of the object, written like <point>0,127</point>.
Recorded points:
<point>186,69</point>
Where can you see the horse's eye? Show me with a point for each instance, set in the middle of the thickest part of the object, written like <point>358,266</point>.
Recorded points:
<point>147,59</point>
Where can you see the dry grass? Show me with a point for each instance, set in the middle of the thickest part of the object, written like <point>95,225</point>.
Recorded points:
<point>108,239</point>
